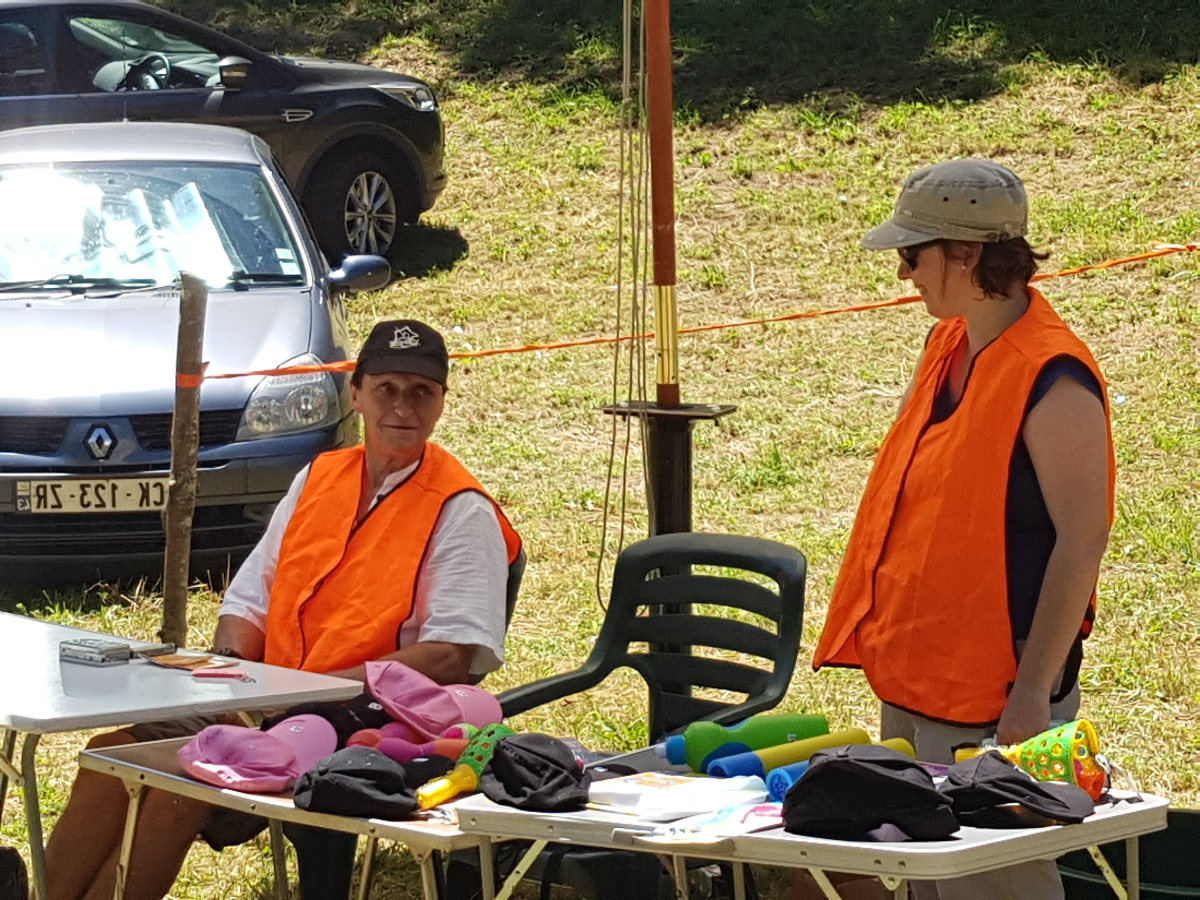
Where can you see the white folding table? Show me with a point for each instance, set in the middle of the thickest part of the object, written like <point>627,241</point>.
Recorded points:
<point>40,694</point>
<point>971,851</point>
<point>155,764</point>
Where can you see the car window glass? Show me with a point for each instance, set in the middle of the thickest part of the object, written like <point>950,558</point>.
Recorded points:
<point>125,55</point>
<point>23,68</point>
<point>143,223</point>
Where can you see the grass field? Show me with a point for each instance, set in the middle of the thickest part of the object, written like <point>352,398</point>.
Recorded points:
<point>796,124</point>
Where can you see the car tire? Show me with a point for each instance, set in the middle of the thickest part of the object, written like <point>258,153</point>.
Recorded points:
<point>356,204</point>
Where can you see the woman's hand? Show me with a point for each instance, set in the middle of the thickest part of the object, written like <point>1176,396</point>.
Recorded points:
<point>1026,714</point>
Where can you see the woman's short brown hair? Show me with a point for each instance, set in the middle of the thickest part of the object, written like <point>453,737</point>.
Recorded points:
<point>1005,263</point>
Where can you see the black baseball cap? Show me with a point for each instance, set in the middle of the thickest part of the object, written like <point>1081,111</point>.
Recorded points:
<point>405,345</point>
<point>535,772</point>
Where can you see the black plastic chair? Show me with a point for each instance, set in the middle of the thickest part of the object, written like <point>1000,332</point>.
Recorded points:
<point>661,613</point>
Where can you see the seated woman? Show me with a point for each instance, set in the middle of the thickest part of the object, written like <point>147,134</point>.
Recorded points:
<point>391,550</point>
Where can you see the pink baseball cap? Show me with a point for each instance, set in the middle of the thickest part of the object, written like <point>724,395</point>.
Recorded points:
<point>426,707</point>
<point>245,759</point>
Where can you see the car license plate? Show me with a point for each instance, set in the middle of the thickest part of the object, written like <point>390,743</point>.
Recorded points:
<point>94,495</point>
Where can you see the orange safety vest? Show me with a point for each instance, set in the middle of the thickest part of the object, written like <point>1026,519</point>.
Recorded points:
<point>921,601</point>
<point>343,589</point>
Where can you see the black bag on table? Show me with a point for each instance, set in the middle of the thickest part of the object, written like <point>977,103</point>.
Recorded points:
<point>364,782</point>
<point>989,791</point>
<point>535,772</point>
<point>850,791</point>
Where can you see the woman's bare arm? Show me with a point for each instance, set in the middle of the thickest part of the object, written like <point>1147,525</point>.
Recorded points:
<point>1067,438</point>
<point>240,635</point>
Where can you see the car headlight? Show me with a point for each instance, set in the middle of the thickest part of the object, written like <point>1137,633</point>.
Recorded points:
<point>291,404</point>
<point>418,96</point>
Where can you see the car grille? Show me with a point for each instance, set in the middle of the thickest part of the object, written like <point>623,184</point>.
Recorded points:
<point>43,435</point>
<point>213,528</point>
<point>34,435</point>
<point>217,426</point>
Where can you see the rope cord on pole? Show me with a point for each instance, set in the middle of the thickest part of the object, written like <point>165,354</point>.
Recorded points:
<point>632,250</point>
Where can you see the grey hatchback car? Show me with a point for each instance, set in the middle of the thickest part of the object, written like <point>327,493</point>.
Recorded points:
<point>98,220</point>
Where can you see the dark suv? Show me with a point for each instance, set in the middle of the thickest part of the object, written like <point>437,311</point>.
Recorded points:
<point>361,147</point>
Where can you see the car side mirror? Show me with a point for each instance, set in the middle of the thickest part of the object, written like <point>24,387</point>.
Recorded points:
<point>234,71</point>
<point>362,273</point>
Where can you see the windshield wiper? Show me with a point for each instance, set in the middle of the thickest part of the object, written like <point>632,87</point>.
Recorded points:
<point>78,284</point>
<point>242,280</point>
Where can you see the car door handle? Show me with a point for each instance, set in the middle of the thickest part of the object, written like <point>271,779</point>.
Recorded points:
<point>297,115</point>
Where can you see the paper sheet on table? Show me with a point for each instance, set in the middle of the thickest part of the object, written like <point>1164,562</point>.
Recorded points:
<point>661,797</point>
<point>713,827</point>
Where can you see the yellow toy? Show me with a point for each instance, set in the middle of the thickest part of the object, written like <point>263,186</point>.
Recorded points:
<point>1068,753</point>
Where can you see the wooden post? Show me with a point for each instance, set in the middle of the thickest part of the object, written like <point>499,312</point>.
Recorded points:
<point>185,446</point>
<point>660,108</point>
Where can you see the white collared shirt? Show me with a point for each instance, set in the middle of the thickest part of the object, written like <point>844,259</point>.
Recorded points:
<point>460,592</point>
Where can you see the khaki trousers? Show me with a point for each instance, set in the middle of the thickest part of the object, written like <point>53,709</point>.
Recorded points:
<point>935,743</point>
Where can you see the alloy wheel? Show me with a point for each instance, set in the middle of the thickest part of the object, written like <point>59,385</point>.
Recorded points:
<point>370,214</point>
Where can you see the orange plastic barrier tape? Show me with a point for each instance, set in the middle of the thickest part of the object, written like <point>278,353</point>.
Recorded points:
<point>348,365</point>
<point>189,380</point>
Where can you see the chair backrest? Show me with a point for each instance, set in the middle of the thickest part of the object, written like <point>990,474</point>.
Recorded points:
<point>678,628</point>
<point>516,572</point>
<point>512,588</point>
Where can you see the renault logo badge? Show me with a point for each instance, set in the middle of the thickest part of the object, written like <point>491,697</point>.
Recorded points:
<point>100,442</point>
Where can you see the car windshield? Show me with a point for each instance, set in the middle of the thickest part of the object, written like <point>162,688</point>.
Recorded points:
<point>113,225</point>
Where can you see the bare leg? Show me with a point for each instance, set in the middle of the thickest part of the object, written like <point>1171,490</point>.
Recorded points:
<point>166,829</point>
<point>89,830</point>
<point>81,856</point>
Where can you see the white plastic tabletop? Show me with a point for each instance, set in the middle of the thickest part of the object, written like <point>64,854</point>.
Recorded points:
<point>972,850</point>
<point>156,764</point>
<point>39,693</point>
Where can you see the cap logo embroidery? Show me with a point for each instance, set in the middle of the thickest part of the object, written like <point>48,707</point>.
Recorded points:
<point>404,339</point>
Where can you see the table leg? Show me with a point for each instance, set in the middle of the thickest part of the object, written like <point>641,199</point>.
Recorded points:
<point>136,793</point>
<point>367,869</point>
<point>898,886</point>
<point>429,875</point>
<point>679,874</point>
<point>33,814</point>
<point>518,872</point>
<point>487,869</point>
<point>825,884</point>
<point>278,859</point>
<point>739,881</point>
<point>1107,871</point>
<point>7,771</point>
<point>1133,862</point>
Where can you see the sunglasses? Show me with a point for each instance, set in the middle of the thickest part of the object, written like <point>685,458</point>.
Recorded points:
<point>910,255</point>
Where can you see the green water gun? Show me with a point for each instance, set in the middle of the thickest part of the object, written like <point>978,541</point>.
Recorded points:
<point>463,778</point>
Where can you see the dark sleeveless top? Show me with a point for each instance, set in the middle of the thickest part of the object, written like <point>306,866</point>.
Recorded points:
<point>1029,533</point>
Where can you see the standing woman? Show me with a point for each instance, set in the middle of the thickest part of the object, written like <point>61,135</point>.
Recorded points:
<point>969,580</point>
